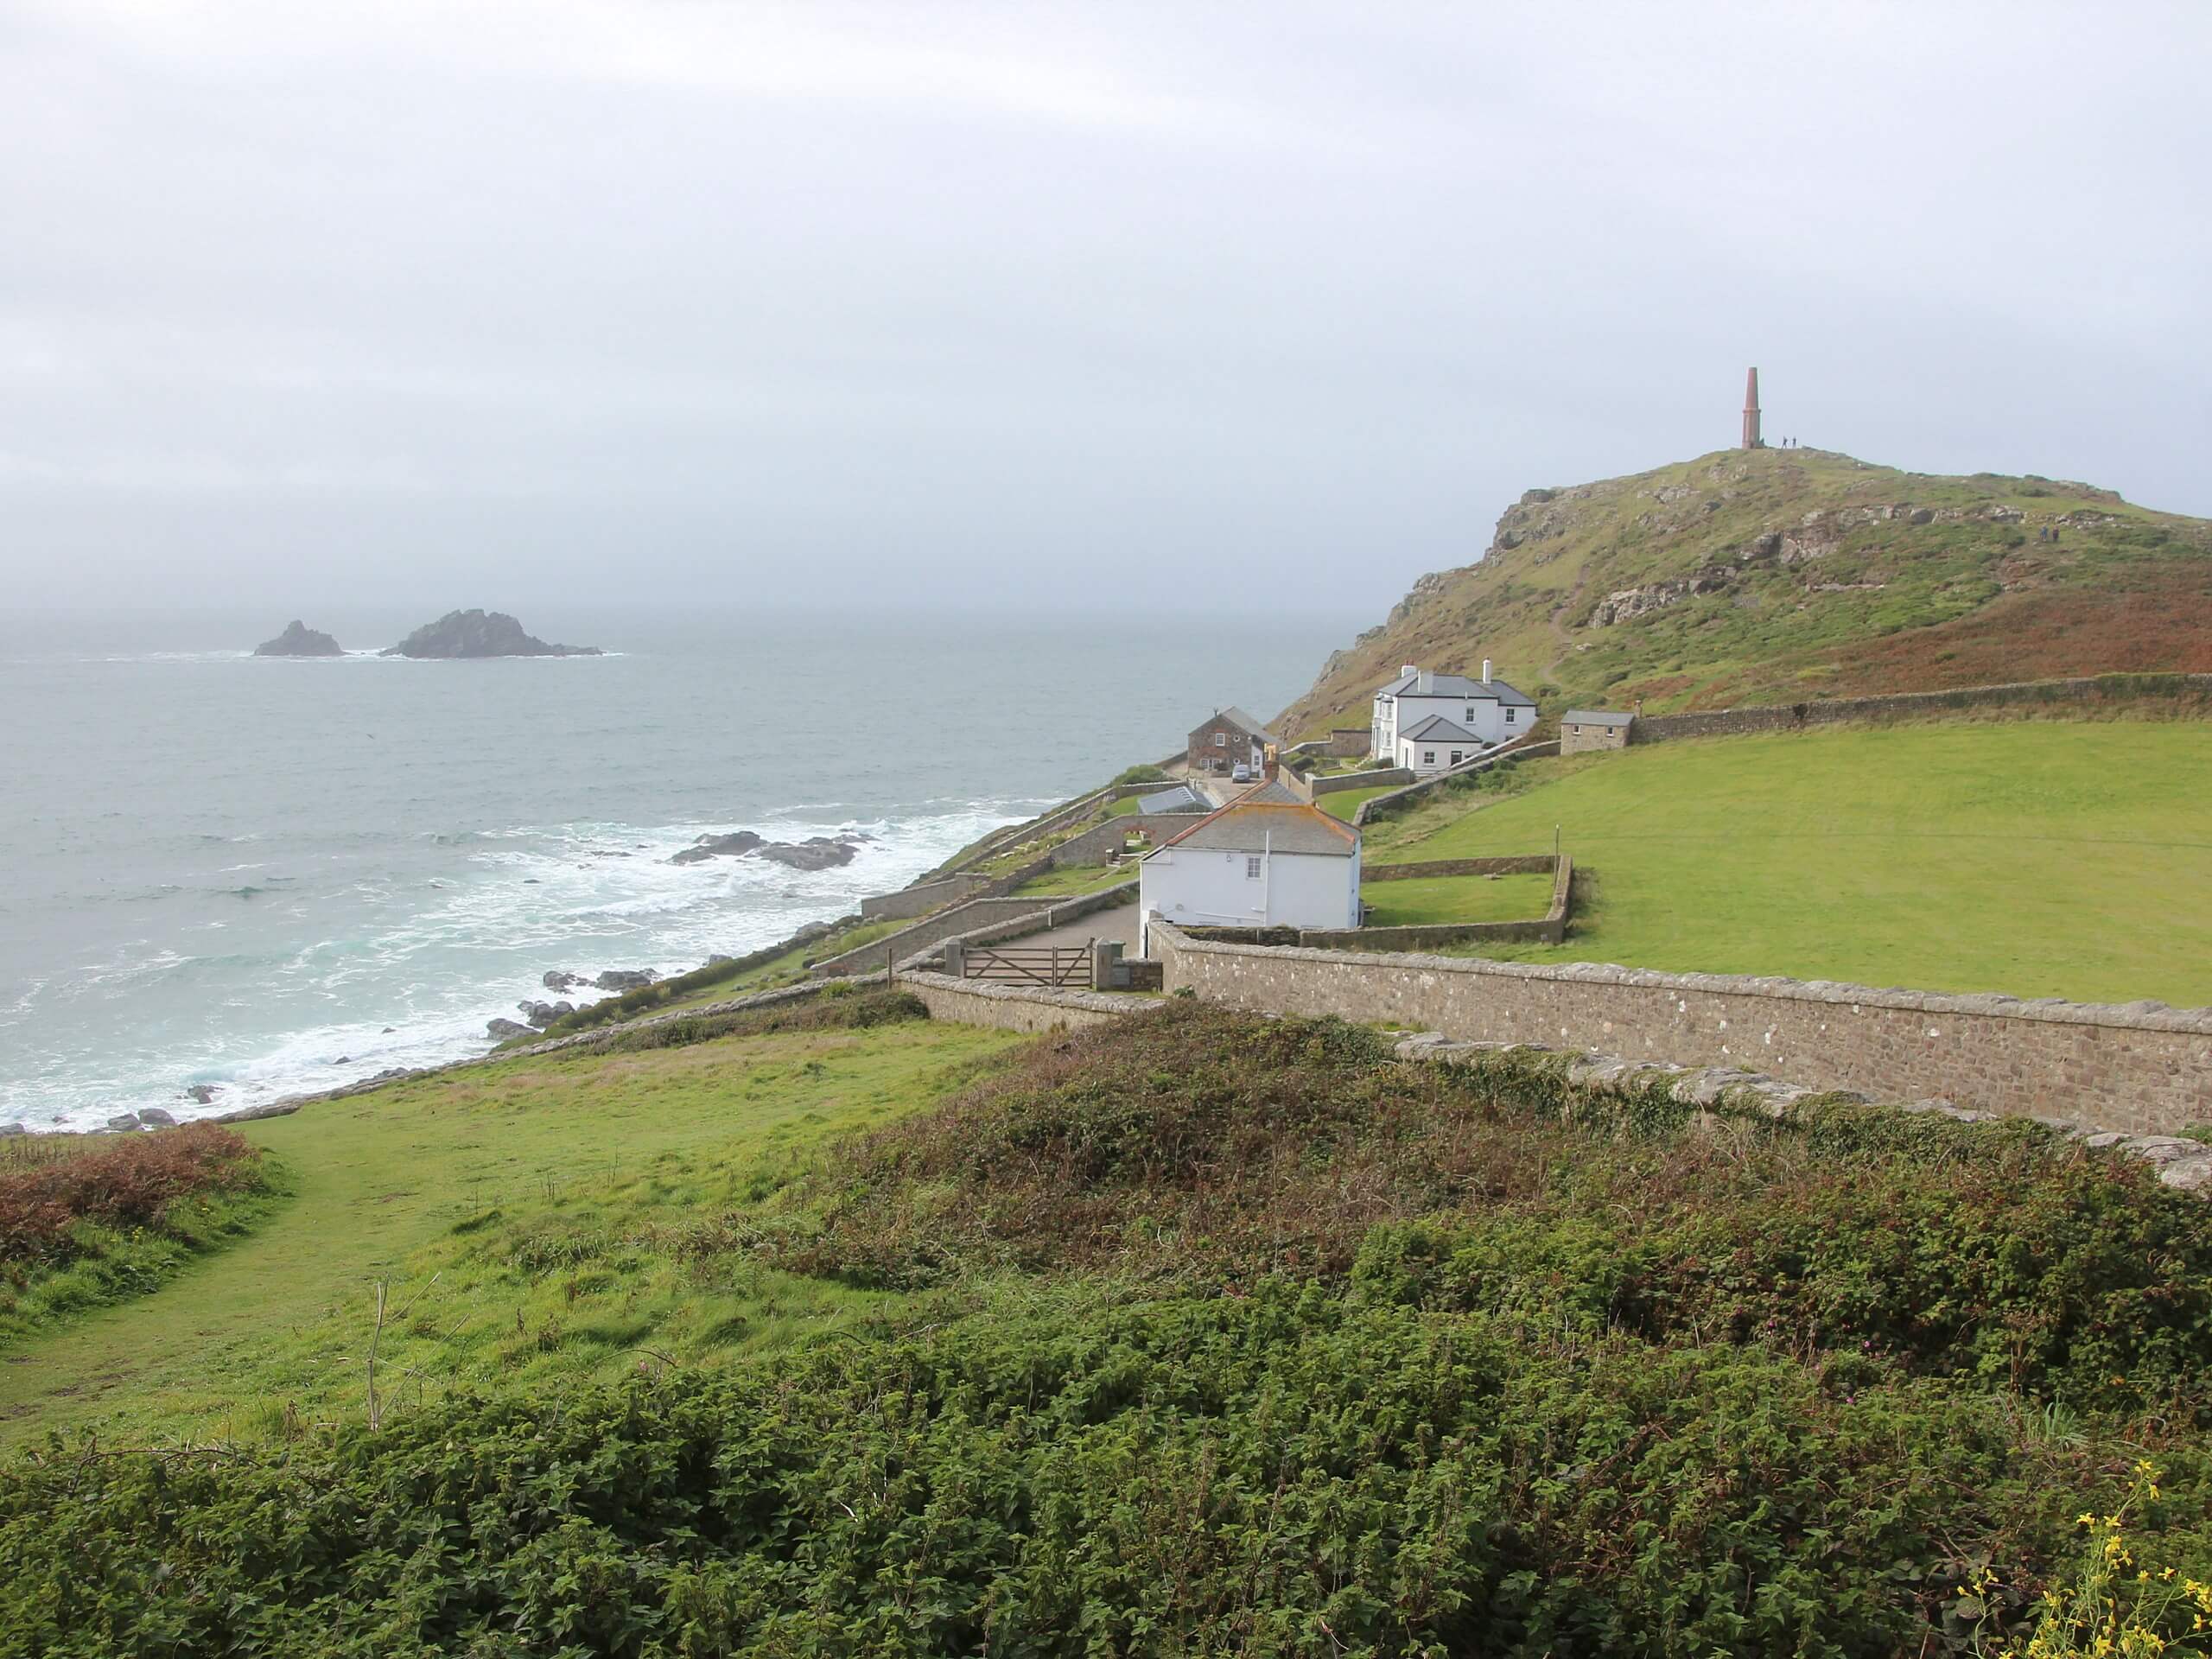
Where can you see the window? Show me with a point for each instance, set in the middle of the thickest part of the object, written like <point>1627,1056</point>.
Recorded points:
<point>1457,757</point>
<point>1221,739</point>
<point>1429,757</point>
<point>1471,714</point>
<point>1252,868</point>
<point>1510,714</point>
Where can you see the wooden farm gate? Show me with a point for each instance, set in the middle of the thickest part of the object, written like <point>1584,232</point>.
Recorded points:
<point>1028,964</point>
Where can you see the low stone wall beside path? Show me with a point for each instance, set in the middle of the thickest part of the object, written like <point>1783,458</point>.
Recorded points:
<point>2141,1067</point>
<point>1382,806</point>
<point>1015,1008</point>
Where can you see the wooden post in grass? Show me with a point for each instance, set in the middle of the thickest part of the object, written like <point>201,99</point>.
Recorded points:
<point>375,1336</point>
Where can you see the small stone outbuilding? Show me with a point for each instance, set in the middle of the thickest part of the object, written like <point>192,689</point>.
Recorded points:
<point>1594,728</point>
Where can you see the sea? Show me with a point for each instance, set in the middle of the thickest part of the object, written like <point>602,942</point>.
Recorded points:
<point>277,876</point>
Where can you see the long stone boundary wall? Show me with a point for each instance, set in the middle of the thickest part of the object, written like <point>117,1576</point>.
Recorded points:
<point>920,900</point>
<point>1013,1008</point>
<point>1383,805</point>
<point>932,929</point>
<point>1516,864</point>
<point>1020,926</point>
<point>2027,697</point>
<point>1379,777</point>
<point>2141,1067</point>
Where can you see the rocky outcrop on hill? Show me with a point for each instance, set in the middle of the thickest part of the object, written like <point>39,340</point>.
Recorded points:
<point>479,633</point>
<point>1743,577</point>
<point>500,1030</point>
<point>624,979</point>
<point>300,640</point>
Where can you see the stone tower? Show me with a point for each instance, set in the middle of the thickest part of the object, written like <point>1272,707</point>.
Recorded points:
<point>1751,411</point>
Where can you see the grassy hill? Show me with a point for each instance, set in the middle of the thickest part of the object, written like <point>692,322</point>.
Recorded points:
<point>2043,859</point>
<point>1777,575</point>
<point>1198,1333</point>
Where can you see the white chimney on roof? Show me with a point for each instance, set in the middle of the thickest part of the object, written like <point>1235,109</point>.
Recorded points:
<point>1485,671</point>
<point>1407,670</point>
<point>1427,682</point>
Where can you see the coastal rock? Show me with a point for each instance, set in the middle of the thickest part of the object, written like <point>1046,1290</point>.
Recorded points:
<point>12,1128</point>
<point>202,1092</point>
<point>733,845</point>
<point>815,853</point>
<point>155,1118</point>
<point>300,640</point>
<point>503,1029</point>
<point>541,1015</point>
<point>123,1121</point>
<point>479,633</point>
<point>557,981</point>
<point>623,979</point>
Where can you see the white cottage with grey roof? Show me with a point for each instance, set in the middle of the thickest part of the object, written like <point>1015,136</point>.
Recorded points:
<point>1268,859</point>
<point>1430,721</point>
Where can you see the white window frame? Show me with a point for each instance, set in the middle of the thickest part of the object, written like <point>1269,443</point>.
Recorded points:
<point>1251,866</point>
<point>1457,757</point>
<point>1511,714</point>
<point>1221,739</point>
<point>1429,757</point>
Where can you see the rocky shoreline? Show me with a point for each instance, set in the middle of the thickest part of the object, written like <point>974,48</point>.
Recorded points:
<point>614,982</point>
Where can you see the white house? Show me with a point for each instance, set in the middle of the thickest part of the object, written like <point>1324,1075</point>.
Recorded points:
<point>1268,859</point>
<point>1429,721</point>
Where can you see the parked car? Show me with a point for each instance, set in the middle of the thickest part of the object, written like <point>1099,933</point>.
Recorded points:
<point>1241,775</point>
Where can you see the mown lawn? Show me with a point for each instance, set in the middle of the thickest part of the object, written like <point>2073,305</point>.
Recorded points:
<point>1343,803</point>
<point>2041,858</point>
<point>1075,879</point>
<point>535,1224</point>
<point>1456,899</point>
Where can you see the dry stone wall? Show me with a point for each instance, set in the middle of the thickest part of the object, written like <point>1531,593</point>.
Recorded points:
<point>918,901</point>
<point>1013,1008</point>
<point>2140,1068</point>
<point>2100,692</point>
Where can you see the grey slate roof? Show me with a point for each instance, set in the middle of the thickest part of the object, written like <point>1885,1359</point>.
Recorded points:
<point>1181,799</point>
<point>1248,826</point>
<point>1597,717</point>
<point>1238,717</point>
<point>1437,729</point>
<point>1455,685</point>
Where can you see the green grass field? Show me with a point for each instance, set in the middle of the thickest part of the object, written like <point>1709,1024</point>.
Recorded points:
<point>1075,879</point>
<point>2041,858</point>
<point>1343,803</point>
<point>534,1221</point>
<point>1456,899</point>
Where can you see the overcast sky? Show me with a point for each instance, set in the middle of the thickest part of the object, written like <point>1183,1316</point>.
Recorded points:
<point>1111,303</point>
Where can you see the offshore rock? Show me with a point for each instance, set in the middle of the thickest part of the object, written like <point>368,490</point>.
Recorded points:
<point>300,640</point>
<point>734,845</point>
<point>479,633</point>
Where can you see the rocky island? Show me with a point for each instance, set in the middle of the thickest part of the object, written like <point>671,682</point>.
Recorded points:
<point>479,633</point>
<point>300,640</point>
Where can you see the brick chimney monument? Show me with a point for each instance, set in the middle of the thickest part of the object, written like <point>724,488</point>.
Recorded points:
<point>1751,411</point>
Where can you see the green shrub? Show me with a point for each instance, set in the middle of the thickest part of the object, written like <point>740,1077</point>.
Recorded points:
<point>1143,774</point>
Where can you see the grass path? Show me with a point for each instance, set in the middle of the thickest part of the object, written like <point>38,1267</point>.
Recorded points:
<point>2040,859</point>
<point>548,1198</point>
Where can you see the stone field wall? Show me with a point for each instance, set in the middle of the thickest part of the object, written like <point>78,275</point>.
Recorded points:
<point>2058,697</point>
<point>2141,1067</point>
